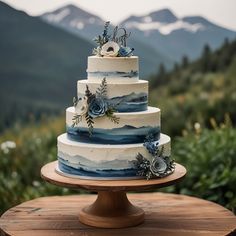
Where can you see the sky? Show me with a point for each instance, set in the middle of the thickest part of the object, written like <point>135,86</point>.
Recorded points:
<point>221,12</point>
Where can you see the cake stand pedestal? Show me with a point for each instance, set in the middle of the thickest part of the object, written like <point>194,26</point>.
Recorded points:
<point>112,209</point>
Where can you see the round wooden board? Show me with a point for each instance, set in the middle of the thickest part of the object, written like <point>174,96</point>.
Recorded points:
<point>50,175</point>
<point>166,215</point>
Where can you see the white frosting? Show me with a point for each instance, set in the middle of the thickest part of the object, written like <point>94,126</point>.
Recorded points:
<point>100,153</point>
<point>113,89</point>
<point>97,66</point>
<point>123,84</point>
<point>151,117</point>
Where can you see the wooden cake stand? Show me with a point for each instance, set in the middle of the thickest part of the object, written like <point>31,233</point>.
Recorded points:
<point>112,209</point>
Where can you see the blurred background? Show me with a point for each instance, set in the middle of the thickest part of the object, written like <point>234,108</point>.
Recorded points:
<point>187,52</point>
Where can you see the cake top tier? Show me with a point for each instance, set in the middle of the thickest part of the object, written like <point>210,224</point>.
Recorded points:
<point>112,58</point>
<point>115,69</point>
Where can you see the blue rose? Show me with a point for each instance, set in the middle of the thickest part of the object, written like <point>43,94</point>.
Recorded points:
<point>125,51</point>
<point>97,107</point>
<point>158,166</point>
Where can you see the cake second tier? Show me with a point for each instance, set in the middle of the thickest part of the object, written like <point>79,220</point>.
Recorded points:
<point>133,127</point>
<point>125,97</point>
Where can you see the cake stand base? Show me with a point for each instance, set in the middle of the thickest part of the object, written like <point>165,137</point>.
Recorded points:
<point>112,209</point>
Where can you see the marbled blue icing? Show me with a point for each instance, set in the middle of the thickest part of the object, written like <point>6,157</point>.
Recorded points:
<point>79,161</point>
<point>133,102</point>
<point>113,74</point>
<point>96,173</point>
<point>123,135</point>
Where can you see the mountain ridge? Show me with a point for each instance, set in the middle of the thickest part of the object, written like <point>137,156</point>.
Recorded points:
<point>38,68</point>
<point>170,36</point>
<point>178,36</point>
<point>88,27</point>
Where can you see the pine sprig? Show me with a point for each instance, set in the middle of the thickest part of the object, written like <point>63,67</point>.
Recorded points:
<point>110,114</point>
<point>102,90</point>
<point>105,32</point>
<point>75,101</point>
<point>88,94</point>
<point>76,120</point>
<point>90,123</point>
<point>104,38</point>
<point>160,152</point>
<point>101,93</point>
<point>143,166</point>
<point>97,50</point>
<point>98,40</point>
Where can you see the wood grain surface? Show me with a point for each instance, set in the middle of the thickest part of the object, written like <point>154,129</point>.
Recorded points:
<point>50,175</point>
<point>166,215</point>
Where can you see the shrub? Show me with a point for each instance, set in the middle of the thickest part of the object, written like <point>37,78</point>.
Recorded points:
<point>210,159</point>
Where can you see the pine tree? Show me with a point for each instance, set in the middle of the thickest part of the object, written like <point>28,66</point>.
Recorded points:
<point>161,74</point>
<point>206,60</point>
<point>185,61</point>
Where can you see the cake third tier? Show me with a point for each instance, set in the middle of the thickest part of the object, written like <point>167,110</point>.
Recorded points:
<point>133,127</point>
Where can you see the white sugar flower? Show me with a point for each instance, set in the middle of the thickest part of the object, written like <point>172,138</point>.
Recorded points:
<point>110,49</point>
<point>81,106</point>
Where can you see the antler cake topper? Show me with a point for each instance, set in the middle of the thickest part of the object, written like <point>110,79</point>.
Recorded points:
<point>113,45</point>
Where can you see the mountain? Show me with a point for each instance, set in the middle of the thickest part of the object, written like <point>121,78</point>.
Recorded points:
<point>39,66</point>
<point>75,20</point>
<point>175,36</point>
<point>87,25</point>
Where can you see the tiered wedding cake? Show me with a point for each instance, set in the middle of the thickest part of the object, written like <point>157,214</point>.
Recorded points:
<point>112,133</point>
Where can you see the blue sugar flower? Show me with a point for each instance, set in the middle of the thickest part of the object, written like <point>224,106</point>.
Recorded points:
<point>151,147</point>
<point>97,107</point>
<point>125,51</point>
<point>158,166</point>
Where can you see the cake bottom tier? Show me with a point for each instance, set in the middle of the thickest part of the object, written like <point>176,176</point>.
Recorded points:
<point>98,161</point>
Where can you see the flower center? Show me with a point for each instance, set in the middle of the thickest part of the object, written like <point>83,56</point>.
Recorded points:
<point>110,49</point>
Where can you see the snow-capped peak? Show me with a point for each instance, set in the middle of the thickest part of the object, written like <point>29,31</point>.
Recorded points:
<point>58,16</point>
<point>165,16</point>
<point>165,28</point>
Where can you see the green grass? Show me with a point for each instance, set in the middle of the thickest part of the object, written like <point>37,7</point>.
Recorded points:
<point>20,167</point>
<point>210,159</point>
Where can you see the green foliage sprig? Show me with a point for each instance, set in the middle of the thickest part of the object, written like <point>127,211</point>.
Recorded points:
<point>76,120</point>
<point>100,40</point>
<point>110,114</point>
<point>90,123</point>
<point>101,92</point>
<point>88,94</point>
<point>75,101</point>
